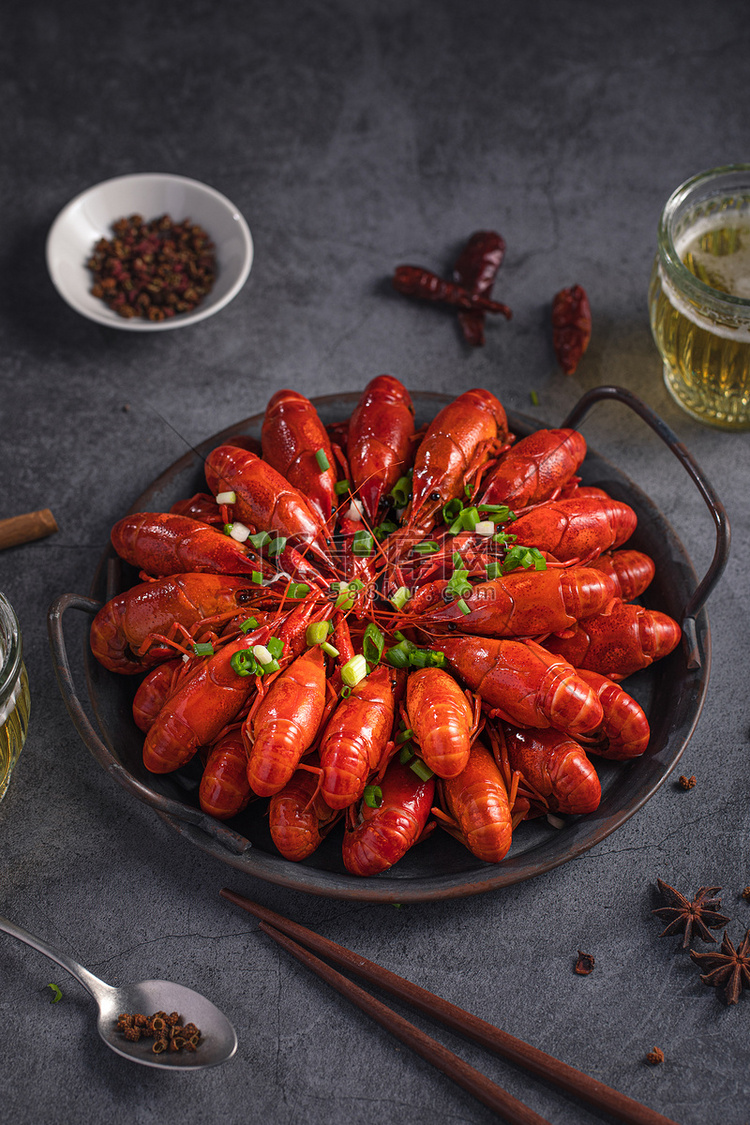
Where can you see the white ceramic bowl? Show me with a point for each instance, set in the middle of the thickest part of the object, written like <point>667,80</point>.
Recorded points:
<point>89,217</point>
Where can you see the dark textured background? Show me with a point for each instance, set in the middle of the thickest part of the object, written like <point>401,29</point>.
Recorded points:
<point>354,137</point>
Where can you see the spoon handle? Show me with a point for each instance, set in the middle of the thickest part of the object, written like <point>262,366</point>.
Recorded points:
<point>96,987</point>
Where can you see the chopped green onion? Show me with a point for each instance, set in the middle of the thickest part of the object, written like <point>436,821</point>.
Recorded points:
<point>457,560</point>
<point>500,509</point>
<point>271,666</point>
<point>248,624</point>
<point>452,510</point>
<point>467,491</point>
<point>329,649</point>
<point>260,539</point>
<point>384,529</point>
<point>356,511</point>
<point>56,993</point>
<point>398,655</point>
<point>277,546</point>
<point>429,547</point>
<point>204,649</point>
<point>244,663</point>
<point>341,487</point>
<point>257,578</point>
<point>346,691</point>
<point>298,590</point>
<point>226,497</point>
<point>400,492</point>
<point>401,597</point>
<point>406,753</point>
<point>323,462</point>
<point>316,632</point>
<point>493,570</point>
<point>534,398</point>
<point>470,518</point>
<point>373,643</point>
<point>504,538</point>
<point>238,531</point>
<point>354,670</point>
<point>227,528</point>
<point>526,557</point>
<point>421,770</point>
<point>463,607</point>
<point>362,544</point>
<point>404,735</point>
<point>485,527</point>
<point>373,796</point>
<point>275,646</point>
<point>262,654</point>
<point>348,595</point>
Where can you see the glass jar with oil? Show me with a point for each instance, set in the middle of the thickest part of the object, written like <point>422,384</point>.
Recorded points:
<point>15,701</point>
<point>699,296</point>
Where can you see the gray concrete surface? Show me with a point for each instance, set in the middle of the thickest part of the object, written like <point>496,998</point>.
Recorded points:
<point>354,137</point>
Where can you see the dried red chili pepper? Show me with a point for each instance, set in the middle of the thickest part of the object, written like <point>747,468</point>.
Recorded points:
<point>571,326</point>
<point>414,281</point>
<point>475,270</point>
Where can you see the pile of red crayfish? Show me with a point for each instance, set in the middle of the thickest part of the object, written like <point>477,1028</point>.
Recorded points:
<point>398,629</point>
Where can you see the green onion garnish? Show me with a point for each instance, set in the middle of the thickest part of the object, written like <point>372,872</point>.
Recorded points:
<point>373,796</point>
<point>244,663</point>
<point>316,632</point>
<point>248,624</point>
<point>259,539</point>
<point>384,529</point>
<point>298,590</point>
<point>348,595</point>
<point>56,993</point>
<point>404,736</point>
<point>398,655</point>
<point>406,753</point>
<point>362,543</point>
<point>421,770</point>
<point>401,597</point>
<point>277,546</point>
<point>227,529</point>
<point>452,510</point>
<point>204,649</point>
<point>329,649</point>
<point>346,691</point>
<point>373,643</point>
<point>429,547</point>
<point>534,398</point>
<point>354,671</point>
<point>257,578</point>
<point>270,666</point>
<point>323,462</point>
<point>341,487</point>
<point>470,518</point>
<point>275,646</point>
<point>463,607</point>
<point>401,491</point>
<point>493,570</point>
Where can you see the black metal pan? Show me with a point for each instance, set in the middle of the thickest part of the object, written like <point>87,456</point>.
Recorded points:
<point>671,691</point>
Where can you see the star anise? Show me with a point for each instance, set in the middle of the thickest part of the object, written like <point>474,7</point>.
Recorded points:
<point>685,915</point>
<point>729,967</point>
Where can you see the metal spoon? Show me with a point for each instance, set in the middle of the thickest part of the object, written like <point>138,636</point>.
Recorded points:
<point>218,1037</point>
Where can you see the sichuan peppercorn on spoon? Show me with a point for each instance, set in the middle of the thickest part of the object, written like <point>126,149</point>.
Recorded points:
<point>216,1041</point>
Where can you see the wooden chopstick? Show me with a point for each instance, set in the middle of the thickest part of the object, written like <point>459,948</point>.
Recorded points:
<point>537,1062</point>
<point>26,528</point>
<point>476,1083</point>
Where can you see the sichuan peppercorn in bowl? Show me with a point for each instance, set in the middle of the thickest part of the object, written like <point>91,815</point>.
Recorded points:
<point>183,251</point>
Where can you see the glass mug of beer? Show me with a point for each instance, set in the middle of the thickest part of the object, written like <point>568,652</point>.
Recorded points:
<point>14,694</point>
<point>699,296</point>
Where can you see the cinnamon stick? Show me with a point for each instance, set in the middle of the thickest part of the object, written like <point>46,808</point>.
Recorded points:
<point>26,528</point>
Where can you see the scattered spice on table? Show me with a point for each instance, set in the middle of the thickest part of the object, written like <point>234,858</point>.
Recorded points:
<point>571,326</point>
<point>155,269</point>
<point>685,915</point>
<point>56,994</point>
<point>687,782</point>
<point>746,894</point>
<point>728,968</point>
<point>584,963</point>
<point>168,1031</point>
<point>655,1056</point>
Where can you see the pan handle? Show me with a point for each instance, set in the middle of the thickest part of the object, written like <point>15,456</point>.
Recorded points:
<point>715,507</point>
<point>162,805</point>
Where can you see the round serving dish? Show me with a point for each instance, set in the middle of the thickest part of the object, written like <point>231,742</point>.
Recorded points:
<point>89,217</point>
<point>671,691</point>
